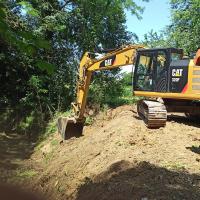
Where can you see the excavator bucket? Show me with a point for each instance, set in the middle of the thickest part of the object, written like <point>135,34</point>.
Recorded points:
<point>69,127</point>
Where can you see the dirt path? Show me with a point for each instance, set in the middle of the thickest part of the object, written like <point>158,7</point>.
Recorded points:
<point>119,158</point>
<point>14,150</point>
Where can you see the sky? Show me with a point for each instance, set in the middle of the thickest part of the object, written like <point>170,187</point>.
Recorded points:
<point>155,16</point>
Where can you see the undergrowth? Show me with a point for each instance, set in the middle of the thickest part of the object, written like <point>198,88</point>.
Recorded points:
<point>39,125</point>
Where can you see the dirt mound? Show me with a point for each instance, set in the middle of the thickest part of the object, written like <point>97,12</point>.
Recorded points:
<point>119,158</point>
<point>124,180</point>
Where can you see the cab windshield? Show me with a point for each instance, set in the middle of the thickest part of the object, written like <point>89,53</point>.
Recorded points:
<point>176,56</point>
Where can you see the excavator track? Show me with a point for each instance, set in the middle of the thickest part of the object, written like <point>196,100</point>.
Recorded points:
<point>153,113</point>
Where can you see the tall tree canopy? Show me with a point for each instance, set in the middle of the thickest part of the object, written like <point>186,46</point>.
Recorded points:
<point>38,37</point>
<point>185,26</point>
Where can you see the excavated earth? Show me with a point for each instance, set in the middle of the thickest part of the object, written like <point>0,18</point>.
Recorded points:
<point>118,158</point>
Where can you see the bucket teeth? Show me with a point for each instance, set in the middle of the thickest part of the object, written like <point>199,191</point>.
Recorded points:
<point>69,127</point>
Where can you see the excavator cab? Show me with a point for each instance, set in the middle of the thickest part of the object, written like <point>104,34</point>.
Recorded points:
<point>168,82</point>
<point>152,69</point>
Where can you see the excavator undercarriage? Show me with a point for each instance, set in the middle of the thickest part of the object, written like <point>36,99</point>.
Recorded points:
<point>152,112</point>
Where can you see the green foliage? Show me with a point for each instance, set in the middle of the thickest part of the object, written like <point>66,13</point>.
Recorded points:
<point>54,142</point>
<point>106,88</point>
<point>112,89</point>
<point>153,39</point>
<point>183,32</point>
<point>127,95</point>
<point>26,174</point>
<point>127,78</point>
<point>45,66</point>
<point>27,123</point>
<point>41,43</point>
<point>133,7</point>
<point>28,8</point>
<point>14,30</point>
<point>185,27</point>
<point>51,127</point>
<point>89,121</point>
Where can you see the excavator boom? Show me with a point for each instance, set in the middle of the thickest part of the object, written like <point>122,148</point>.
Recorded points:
<point>73,126</point>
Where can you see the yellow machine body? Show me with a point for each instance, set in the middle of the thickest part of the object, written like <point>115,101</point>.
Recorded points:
<point>191,92</point>
<point>162,73</point>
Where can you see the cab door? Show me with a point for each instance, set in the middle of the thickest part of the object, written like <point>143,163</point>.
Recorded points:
<point>151,71</point>
<point>161,71</point>
<point>144,74</point>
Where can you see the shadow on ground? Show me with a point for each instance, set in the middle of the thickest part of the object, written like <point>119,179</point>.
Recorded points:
<point>14,148</point>
<point>14,145</point>
<point>181,119</point>
<point>194,149</point>
<point>184,120</point>
<point>123,181</point>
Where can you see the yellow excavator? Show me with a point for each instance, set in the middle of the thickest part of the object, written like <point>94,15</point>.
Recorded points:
<point>168,81</point>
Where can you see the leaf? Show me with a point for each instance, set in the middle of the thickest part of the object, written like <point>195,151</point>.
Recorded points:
<point>24,3</point>
<point>41,43</point>
<point>2,13</point>
<point>43,65</point>
<point>30,50</point>
<point>61,28</point>
<point>43,91</point>
<point>3,27</point>
<point>27,35</point>
<point>29,8</point>
<point>33,12</point>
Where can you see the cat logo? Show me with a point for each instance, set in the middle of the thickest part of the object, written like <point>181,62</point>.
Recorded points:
<point>177,72</point>
<point>108,62</point>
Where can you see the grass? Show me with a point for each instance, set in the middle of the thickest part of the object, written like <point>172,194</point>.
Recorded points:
<point>52,125</point>
<point>128,96</point>
<point>27,174</point>
<point>89,121</point>
<point>54,142</point>
<point>51,128</point>
<point>174,166</point>
<point>48,157</point>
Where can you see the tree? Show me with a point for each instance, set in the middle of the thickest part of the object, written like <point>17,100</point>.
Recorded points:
<point>185,27</point>
<point>37,35</point>
<point>153,39</point>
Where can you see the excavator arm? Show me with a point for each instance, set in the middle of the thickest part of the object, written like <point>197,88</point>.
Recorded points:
<point>72,126</point>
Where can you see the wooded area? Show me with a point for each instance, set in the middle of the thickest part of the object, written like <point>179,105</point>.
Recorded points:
<point>129,147</point>
<point>41,43</point>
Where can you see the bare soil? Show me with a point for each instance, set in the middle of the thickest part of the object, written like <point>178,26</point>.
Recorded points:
<point>118,158</point>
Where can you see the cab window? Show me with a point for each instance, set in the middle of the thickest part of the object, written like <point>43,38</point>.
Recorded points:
<point>161,62</point>
<point>145,72</point>
<point>176,56</point>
